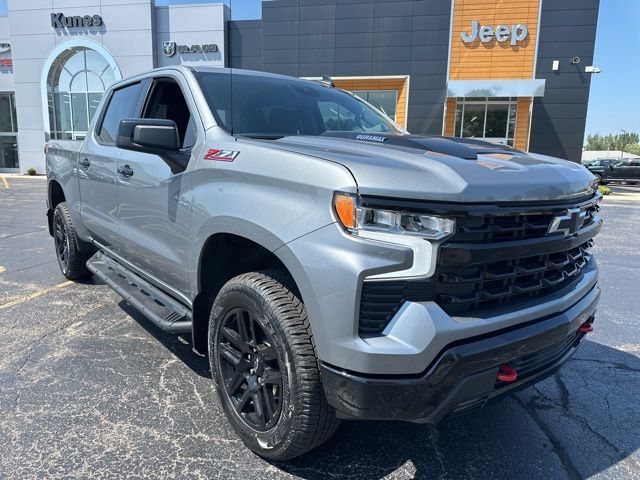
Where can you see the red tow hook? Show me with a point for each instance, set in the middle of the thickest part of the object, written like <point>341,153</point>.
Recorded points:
<point>586,327</point>
<point>507,374</point>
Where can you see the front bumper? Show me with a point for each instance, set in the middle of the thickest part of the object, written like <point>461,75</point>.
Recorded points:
<point>463,377</point>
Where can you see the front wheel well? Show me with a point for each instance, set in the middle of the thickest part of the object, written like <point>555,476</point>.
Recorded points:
<point>223,257</point>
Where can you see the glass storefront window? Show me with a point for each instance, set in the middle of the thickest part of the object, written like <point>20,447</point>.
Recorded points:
<point>8,152</point>
<point>497,119</point>
<point>77,81</point>
<point>8,130</point>
<point>473,121</point>
<point>492,119</point>
<point>384,100</point>
<point>8,123</point>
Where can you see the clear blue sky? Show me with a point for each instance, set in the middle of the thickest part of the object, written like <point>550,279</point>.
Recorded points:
<point>615,96</point>
<point>614,103</point>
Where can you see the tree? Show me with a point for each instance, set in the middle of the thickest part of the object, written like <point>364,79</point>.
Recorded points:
<point>627,141</point>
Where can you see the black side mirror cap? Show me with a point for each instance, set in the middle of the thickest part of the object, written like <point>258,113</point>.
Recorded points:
<point>148,135</point>
<point>154,136</point>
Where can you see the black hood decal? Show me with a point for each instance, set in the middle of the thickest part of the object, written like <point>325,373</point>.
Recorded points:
<point>467,148</point>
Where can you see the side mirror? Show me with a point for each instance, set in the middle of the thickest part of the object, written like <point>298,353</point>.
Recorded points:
<point>154,136</point>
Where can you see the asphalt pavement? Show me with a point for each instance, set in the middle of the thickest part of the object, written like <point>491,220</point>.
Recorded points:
<point>90,389</point>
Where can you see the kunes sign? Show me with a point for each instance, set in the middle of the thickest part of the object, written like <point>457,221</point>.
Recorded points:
<point>502,33</point>
<point>59,20</point>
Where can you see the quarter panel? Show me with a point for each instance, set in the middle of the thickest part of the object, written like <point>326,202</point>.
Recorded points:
<point>62,159</point>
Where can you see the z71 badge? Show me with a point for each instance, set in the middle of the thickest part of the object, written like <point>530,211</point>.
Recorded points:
<point>222,155</point>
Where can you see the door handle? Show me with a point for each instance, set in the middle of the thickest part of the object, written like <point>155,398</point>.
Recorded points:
<point>85,163</point>
<point>126,171</point>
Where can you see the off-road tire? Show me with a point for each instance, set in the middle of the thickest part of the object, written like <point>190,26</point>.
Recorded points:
<point>305,420</point>
<point>74,264</point>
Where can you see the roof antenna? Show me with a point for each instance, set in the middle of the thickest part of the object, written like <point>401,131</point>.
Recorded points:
<point>326,79</point>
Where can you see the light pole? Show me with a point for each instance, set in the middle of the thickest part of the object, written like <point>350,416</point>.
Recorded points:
<point>624,133</point>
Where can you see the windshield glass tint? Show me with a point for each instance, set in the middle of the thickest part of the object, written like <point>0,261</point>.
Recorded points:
<point>267,107</point>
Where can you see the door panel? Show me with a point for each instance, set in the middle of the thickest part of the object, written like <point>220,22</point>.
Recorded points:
<point>154,204</point>
<point>97,183</point>
<point>154,216</point>
<point>634,171</point>
<point>97,164</point>
<point>620,172</point>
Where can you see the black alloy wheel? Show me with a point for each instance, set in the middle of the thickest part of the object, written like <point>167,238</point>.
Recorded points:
<point>61,241</point>
<point>250,369</point>
<point>265,368</point>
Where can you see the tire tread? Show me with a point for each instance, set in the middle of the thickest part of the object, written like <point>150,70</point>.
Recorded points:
<point>316,421</point>
<point>77,260</point>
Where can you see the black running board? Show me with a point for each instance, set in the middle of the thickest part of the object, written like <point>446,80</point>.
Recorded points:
<point>167,313</point>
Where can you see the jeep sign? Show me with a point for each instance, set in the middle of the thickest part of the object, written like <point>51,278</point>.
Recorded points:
<point>502,33</point>
<point>59,20</point>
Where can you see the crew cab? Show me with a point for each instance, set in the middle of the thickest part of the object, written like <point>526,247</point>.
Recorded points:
<point>330,264</point>
<point>608,170</point>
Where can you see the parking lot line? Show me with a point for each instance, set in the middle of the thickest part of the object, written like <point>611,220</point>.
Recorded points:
<point>37,294</point>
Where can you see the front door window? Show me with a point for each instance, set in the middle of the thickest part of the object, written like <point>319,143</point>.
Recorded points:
<point>490,119</point>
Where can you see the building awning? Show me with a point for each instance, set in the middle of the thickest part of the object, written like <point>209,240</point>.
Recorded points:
<point>496,88</point>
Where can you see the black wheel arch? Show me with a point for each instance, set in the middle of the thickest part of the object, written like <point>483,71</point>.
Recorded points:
<point>223,257</point>
<point>55,196</point>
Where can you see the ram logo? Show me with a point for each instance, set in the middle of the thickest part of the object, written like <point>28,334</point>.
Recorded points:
<point>169,48</point>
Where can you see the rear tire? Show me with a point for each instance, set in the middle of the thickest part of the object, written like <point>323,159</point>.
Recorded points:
<point>72,262</point>
<point>264,365</point>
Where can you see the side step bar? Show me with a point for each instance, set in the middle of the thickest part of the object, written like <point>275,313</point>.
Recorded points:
<point>161,309</point>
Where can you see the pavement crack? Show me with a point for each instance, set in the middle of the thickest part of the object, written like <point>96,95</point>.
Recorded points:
<point>616,365</point>
<point>434,436</point>
<point>2,237</point>
<point>564,392</point>
<point>570,469</point>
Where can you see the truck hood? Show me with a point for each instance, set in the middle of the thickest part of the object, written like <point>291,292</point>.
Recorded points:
<point>441,169</point>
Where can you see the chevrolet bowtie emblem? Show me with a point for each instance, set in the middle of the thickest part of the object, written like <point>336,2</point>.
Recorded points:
<point>568,223</point>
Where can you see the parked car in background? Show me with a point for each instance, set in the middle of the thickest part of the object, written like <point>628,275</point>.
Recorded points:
<point>603,162</point>
<point>615,170</point>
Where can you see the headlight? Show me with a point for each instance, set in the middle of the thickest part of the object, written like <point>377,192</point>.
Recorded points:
<point>356,218</point>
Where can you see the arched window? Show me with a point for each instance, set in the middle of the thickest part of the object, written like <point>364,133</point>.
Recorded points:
<point>76,81</point>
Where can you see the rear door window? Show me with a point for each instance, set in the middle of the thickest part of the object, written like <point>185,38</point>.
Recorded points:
<point>122,104</point>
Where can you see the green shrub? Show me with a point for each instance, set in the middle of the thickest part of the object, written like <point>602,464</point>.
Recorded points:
<point>604,190</point>
<point>31,171</point>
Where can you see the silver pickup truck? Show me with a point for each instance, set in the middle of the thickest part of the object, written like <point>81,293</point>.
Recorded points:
<point>331,265</point>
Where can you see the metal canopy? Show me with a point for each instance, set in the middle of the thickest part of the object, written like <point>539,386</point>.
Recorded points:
<point>496,88</point>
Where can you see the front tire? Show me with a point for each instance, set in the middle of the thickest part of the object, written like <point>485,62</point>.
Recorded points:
<point>72,262</point>
<point>265,369</point>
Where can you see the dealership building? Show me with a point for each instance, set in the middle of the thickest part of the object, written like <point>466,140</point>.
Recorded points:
<point>511,71</point>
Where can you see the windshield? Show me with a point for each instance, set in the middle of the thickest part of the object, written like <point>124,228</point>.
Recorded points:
<point>271,107</point>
